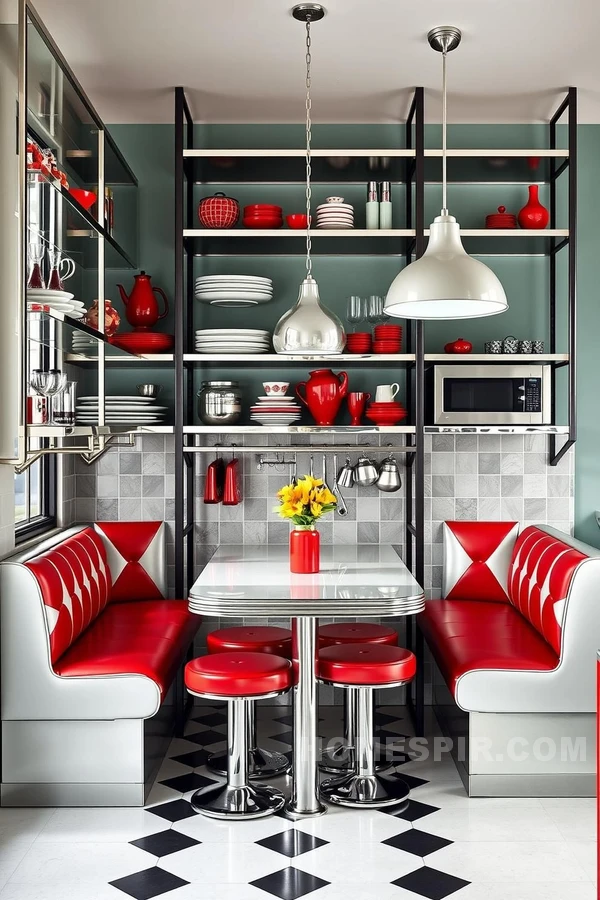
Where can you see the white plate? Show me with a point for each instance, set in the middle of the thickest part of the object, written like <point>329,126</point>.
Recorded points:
<point>324,217</point>
<point>282,422</point>
<point>216,343</point>
<point>233,289</point>
<point>255,331</point>
<point>201,279</point>
<point>87,409</point>
<point>34,295</point>
<point>240,350</point>
<point>239,285</point>
<point>340,226</point>
<point>235,304</point>
<point>327,206</point>
<point>238,295</point>
<point>286,398</point>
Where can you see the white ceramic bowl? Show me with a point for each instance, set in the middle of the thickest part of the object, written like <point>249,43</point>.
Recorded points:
<point>276,388</point>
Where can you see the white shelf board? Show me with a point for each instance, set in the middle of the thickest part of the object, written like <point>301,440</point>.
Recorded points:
<point>298,429</point>
<point>71,431</point>
<point>515,233</point>
<point>342,358</point>
<point>496,429</point>
<point>452,358</point>
<point>302,232</point>
<point>298,152</point>
<point>458,153</point>
<point>128,360</point>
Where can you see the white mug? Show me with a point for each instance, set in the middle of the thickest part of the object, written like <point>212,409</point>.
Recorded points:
<point>386,392</point>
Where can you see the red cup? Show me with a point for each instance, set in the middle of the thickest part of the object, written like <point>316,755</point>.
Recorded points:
<point>297,220</point>
<point>356,406</point>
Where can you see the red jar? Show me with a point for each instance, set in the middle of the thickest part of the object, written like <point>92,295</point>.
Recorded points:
<point>218,211</point>
<point>305,550</point>
<point>533,214</point>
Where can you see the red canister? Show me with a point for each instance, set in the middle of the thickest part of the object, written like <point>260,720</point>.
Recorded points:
<point>218,211</point>
<point>305,551</point>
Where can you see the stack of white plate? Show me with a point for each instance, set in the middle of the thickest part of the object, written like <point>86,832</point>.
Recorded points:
<point>233,290</point>
<point>233,340</point>
<point>334,213</point>
<point>121,410</point>
<point>60,301</point>
<point>281,410</point>
<point>83,343</point>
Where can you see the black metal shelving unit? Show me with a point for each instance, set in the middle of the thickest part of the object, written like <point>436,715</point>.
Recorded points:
<point>413,167</point>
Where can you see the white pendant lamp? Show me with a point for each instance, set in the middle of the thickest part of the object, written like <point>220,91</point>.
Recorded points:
<point>309,328</point>
<point>445,283</point>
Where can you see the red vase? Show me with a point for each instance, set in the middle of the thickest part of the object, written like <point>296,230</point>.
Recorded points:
<point>305,547</point>
<point>533,214</point>
<point>323,394</point>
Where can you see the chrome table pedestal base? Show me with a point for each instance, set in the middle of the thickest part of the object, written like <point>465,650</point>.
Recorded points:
<point>305,775</point>
<point>341,758</point>
<point>364,787</point>
<point>250,801</point>
<point>261,763</point>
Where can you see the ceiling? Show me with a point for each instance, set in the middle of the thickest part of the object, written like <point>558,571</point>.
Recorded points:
<point>243,60</point>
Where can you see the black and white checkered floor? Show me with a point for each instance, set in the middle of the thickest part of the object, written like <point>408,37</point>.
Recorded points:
<point>442,845</point>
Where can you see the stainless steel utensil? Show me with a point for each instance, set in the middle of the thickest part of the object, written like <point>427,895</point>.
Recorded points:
<point>345,476</point>
<point>389,476</point>
<point>149,390</point>
<point>219,402</point>
<point>365,472</point>
<point>341,508</point>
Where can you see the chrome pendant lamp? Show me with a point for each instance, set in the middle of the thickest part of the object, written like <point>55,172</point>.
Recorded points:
<point>445,283</point>
<point>309,328</point>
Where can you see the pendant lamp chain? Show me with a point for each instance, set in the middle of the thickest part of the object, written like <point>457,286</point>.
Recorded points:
<point>308,158</point>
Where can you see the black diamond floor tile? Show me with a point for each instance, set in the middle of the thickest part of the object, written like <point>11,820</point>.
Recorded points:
<point>284,737</point>
<point>413,811</point>
<point>149,883</point>
<point>431,883</point>
<point>205,738</point>
<point>191,781</point>
<point>292,843</point>
<point>289,883</point>
<point>289,719</point>
<point>212,718</point>
<point>173,811</point>
<point>418,842</point>
<point>194,758</point>
<point>165,842</point>
<point>383,719</point>
<point>412,780</point>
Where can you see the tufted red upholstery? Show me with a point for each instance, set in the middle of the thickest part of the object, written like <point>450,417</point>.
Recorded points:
<point>478,634</point>
<point>74,582</point>
<point>134,559</point>
<point>476,559</point>
<point>251,638</point>
<point>356,633</point>
<point>238,674</point>
<point>540,574</point>
<point>366,664</point>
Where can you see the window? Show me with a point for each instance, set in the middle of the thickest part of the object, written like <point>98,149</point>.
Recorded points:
<point>35,499</point>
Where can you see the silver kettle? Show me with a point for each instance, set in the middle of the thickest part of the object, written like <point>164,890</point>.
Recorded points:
<point>389,476</point>
<point>365,472</point>
<point>345,477</point>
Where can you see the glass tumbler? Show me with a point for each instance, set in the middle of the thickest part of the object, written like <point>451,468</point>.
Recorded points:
<point>375,309</point>
<point>356,310</point>
<point>63,404</point>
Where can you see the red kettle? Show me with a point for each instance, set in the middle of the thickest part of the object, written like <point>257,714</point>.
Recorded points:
<point>141,305</point>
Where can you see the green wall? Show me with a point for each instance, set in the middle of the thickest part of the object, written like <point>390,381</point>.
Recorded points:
<point>149,150</point>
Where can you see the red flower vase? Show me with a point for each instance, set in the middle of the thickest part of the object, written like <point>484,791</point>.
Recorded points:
<point>533,214</point>
<point>305,550</point>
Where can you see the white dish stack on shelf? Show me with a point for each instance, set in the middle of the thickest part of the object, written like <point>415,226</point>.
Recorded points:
<point>84,344</point>
<point>233,340</point>
<point>121,410</point>
<point>279,410</point>
<point>233,290</point>
<point>334,213</point>
<point>59,301</point>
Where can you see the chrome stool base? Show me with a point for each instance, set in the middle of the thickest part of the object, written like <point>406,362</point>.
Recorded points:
<point>366,791</point>
<point>261,763</point>
<point>341,760</point>
<point>222,801</point>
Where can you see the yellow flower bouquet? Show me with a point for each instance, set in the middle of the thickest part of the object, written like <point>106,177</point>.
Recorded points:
<point>305,501</point>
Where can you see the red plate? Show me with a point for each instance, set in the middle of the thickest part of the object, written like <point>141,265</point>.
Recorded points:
<point>143,342</point>
<point>263,223</point>
<point>254,207</point>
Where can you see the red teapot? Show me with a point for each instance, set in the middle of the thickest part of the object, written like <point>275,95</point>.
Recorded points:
<point>322,394</point>
<point>141,304</point>
<point>458,346</point>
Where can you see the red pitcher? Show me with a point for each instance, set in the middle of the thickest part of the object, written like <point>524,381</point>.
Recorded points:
<point>323,394</point>
<point>141,304</point>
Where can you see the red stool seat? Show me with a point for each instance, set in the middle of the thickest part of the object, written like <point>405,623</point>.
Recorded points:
<point>366,664</point>
<point>236,674</point>
<point>356,633</point>
<point>251,638</point>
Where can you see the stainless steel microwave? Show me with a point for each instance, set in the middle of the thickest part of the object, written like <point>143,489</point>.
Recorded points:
<point>492,395</point>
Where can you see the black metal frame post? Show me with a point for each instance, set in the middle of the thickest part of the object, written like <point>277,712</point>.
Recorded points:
<point>568,105</point>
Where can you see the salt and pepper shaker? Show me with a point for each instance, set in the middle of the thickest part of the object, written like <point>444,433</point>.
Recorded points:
<point>385,204</point>
<point>372,206</point>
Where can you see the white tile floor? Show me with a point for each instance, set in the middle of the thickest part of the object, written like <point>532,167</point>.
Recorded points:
<point>443,845</point>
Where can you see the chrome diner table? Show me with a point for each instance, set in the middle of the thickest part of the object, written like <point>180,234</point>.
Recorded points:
<point>356,580</point>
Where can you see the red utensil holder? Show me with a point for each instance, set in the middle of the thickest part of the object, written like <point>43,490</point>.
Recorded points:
<point>305,551</point>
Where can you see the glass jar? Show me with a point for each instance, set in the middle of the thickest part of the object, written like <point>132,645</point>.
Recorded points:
<point>219,402</point>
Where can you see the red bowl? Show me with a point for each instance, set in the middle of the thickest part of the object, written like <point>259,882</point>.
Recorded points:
<point>383,331</point>
<point>380,348</point>
<point>143,342</point>
<point>84,198</point>
<point>263,223</point>
<point>385,407</point>
<point>297,220</point>
<point>262,207</point>
<point>385,420</point>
